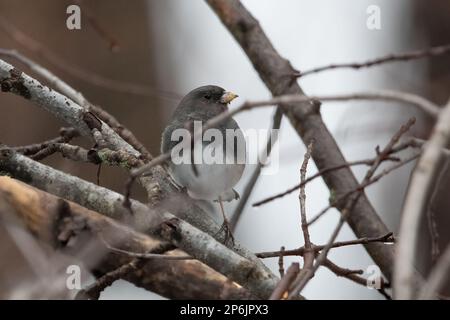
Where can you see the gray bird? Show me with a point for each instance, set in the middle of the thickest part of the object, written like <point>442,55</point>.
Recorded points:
<point>206,179</point>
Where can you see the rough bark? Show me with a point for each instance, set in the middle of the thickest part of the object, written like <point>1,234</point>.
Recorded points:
<point>70,228</point>
<point>279,76</point>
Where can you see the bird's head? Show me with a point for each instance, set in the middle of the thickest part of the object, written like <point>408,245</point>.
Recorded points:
<point>212,94</point>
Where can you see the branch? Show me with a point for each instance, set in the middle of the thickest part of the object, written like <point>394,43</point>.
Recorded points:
<point>93,291</point>
<point>353,276</point>
<point>300,251</point>
<point>245,269</point>
<point>308,255</point>
<point>99,28</point>
<point>255,175</point>
<point>283,286</point>
<point>78,72</point>
<point>157,184</point>
<point>417,197</point>
<point>78,98</point>
<point>348,207</point>
<point>65,136</point>
<point>17,82</point>
<point>63,224</point>
<point>407,56</point>
<point>288,100</point>
<point>336,201</point>
<point>367,162</point>
<point>277,73</point>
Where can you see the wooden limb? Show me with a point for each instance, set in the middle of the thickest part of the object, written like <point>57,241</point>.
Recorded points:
<point>279,76</point>
<point>71,229</point>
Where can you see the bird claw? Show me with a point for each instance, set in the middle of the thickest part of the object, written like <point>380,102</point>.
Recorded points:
<point>229,238</point>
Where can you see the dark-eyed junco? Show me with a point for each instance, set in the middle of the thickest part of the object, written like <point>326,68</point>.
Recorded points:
<point>220,162</point>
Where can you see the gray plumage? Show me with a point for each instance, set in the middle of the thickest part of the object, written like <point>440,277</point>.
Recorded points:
<point>213,180</point>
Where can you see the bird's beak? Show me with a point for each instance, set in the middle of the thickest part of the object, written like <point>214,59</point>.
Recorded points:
<point>228,96</point>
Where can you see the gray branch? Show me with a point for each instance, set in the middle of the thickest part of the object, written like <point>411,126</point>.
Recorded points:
<point>200,245</point>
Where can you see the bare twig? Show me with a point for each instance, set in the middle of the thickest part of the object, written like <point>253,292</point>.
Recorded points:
<point>144,219</point>
<point>289,99</point>
<point>418,143</point>
<point>68,151</point>
<point>406,56</point>
<point>76,71</point>
<point>277,73</point>
<point>100,30</point>
<point>349,206</point>
<point>418,194</point>
<point>283,286</point>
<point>240,266</point>
<point>387,238</point>
<point>17,82</point>
<point>308,254</point>
<point>255,175</point>
<point>367,162</point>
<point>93,291</point>
<point>65,136</point>
<point>353,276</point>
<point>334,202</point>
<point>58,222</point>
<point>281,262</point>
<point>145,255</point>
<point>284,100</point>
<point>79,98</point>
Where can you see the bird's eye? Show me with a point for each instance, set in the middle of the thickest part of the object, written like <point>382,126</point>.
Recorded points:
<point>207,96</point>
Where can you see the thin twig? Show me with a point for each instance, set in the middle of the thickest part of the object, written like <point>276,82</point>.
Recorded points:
<point>76,71</point>
<point>404,97</point>
<point>255,175</point>
<point>407,56</point>
<point>65,136</point>
<point>299,285</point>
<point>93,291</point>
<point>100,30</point>
<point>367,162</point>
<point>283,286</point>
<point>145,255</point>
<point>309,254</point>
<point>353,276</point>
<point>387,238</point>
<point>79,98</point>
<point>388,95</point>
<point>362,186</point>
<point>281,262</point>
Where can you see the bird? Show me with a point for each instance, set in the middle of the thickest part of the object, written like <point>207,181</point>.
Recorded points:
<point>223,152</point>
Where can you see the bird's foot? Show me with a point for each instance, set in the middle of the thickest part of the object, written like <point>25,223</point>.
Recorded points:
<point>177,186</point>
<point>226,228</point>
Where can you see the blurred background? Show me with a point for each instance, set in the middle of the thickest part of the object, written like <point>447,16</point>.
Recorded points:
<point>163,49</point>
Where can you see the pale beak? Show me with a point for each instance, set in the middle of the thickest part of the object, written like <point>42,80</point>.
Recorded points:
<point>227,97</point>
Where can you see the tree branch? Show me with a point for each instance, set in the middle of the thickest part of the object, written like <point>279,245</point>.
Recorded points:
<point>406,56</point>
<point>278,75</point>
<point>255,175</point>
<point>317,248</point>
<point>417,197</point>
<point>75,230</point>
<point>246,271</point>
<point>157,184</point>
